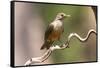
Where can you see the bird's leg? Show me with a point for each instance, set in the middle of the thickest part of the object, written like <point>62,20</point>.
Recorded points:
<point>59,40</point>
<point>66,45</point>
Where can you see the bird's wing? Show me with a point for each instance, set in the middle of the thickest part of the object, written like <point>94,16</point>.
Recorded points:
<point>48,31</point>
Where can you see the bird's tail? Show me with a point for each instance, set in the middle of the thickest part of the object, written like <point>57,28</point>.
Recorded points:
<point>46,45</point>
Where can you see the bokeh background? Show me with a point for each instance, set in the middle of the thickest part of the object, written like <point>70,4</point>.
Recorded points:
<point>31,20</point>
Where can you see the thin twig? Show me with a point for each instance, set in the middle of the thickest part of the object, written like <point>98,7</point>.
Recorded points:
<point>52,48</point>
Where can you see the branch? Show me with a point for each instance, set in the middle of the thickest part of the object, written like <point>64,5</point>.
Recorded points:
<point>63,46</point>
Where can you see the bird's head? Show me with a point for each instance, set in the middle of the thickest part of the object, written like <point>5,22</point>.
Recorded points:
<point>61,16</point>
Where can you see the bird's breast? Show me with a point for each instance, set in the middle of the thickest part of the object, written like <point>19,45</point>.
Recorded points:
<point>57,25</point>
<point>56,33</point>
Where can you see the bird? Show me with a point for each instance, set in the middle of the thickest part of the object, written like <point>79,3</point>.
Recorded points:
<point>54,30</point>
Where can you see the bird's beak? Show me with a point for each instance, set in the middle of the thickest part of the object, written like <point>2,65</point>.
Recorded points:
<point>67,15</point>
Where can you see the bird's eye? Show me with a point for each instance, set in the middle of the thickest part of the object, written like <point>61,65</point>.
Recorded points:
<point>62,15</point>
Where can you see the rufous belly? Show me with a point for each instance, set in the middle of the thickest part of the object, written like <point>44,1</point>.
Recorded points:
<point>55,35</point>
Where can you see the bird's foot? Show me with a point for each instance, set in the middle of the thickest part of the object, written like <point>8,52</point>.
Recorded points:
<point>60,41</point>
<point>67,46</point>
